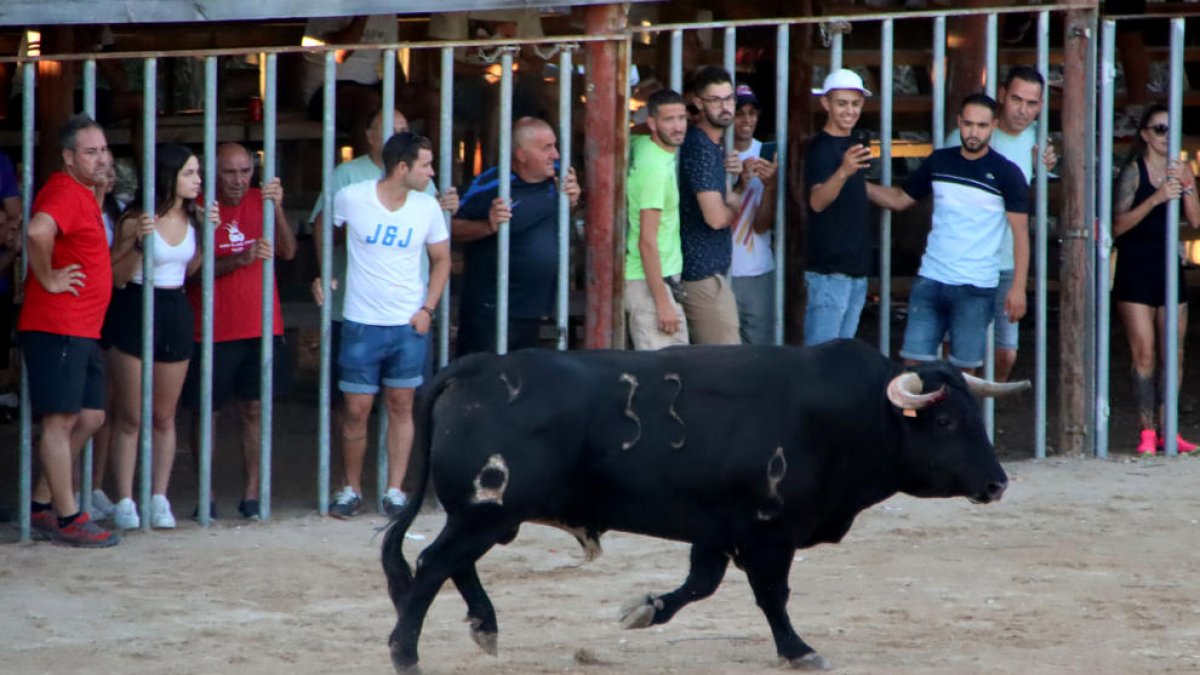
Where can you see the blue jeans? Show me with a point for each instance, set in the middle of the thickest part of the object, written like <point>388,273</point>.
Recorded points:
<point>935,308</point>
<point>393,356</point>
<point>756,308</point>
<point>835,302</point>
<point>1006,332</point>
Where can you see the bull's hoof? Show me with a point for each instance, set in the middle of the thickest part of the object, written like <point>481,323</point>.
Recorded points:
<point>485,639</point>
<point>639,612</point>
<point>810,661</point>
<point>404,665</point>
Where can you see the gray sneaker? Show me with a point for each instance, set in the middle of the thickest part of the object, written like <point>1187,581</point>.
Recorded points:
<point>346,503</point>
<point>394,502</point>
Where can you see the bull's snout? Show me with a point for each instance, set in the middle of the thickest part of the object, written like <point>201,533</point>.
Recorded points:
<point>993,492</point>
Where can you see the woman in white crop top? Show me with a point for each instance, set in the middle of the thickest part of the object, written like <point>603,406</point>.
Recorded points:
<point>173,228</point>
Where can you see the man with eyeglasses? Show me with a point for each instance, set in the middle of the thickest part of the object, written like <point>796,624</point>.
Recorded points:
<point>707,211</point>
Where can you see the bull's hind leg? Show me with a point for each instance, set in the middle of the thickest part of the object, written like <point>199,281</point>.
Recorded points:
<point>480,614</point>
<point>766,567</point>
<point>705,574</point>
<point>453,553</point>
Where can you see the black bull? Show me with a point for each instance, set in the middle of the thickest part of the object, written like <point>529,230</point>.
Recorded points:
<point>748,453</point>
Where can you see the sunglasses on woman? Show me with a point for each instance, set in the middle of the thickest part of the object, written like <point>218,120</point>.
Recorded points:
<point>1158,129</point>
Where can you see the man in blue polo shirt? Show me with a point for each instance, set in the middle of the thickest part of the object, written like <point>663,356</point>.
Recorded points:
<point>532,216</point>
<point>977,195</point>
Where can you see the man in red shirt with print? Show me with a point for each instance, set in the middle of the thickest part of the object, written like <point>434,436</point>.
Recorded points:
<point>66,296</point>
<point>237,304</point>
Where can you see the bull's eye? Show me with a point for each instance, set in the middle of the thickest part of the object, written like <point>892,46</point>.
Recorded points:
<point>945,422</point>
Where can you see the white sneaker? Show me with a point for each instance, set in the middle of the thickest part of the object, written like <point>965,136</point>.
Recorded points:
<point>125,515</point>
<point>160,513</point>
<point>102,506</point>
<point>394,501</point>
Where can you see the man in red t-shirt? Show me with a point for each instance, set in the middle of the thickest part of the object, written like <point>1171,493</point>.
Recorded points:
<point>237,304</point>
<point>66,295</point>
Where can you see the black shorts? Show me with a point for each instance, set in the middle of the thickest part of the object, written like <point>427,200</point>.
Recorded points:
<point>173,323</point>
<point>65,373</point>
<point>235,372</point>
<point>8,320</point>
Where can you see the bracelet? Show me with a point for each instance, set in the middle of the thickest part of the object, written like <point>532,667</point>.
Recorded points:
<point>426,310</point>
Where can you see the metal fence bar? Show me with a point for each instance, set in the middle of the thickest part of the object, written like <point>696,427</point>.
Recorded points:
<point>267,364</point>
<point>730,56</point>
<point>504,233</point>
<point>562,314</point>
<point>445,182</point>
<point>835,50</point>
<point>85,471</point>
<point>387,126</point>
<point>989,359</point>
<point>938,74</point>
<point>1174,138</point>
<point>1108,76</point>
<point>782,63</point>
<point>1041,245</point>
<point>886,53</point>
<point>1091,62</point>
<point>145,445</point>
<point>208,277</point>
<point>992,76</point>
<point>25,489</point>
<point>324,421</point>
<point>677,61</point>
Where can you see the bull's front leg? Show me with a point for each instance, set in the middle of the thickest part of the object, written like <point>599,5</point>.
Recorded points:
<point>704,576</point>
<point>767,567</point>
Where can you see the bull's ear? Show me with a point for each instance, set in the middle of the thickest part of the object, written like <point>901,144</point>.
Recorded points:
<point>988,389</point>
<point>904,391</point>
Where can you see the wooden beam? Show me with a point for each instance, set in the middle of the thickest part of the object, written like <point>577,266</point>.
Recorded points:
<point>66,12</point>
<point>800,130</point>
<point>1073,272</point>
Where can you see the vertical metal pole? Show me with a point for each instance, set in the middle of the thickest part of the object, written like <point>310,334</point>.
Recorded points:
<point>677,61</point>
<point>886,50</point>
<point>387,124</point>
<point>1174,138</point>
<point>1091,62</point>
<point>992,38</point>
<point>85,472</point>
<point>1108,73</point>
<point>989,360</point>
<point>446,181</point>
<point>149,119</point>
<point>1041,244</point>
<point>267,364</point>
<point>782,63</point>
<point>208,278</point>
<point>730,55</point>
<point>324,421</point>
<point>835,49</point>
<point>939,82</point>
<point>505,170</point>
<point>25,489</point>
<point>565,64</point>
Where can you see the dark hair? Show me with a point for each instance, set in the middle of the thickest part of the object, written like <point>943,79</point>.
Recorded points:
<point>1139,144</point>
<point>980,99</point>
<point>70,130</point>
<point>169,159</point>
<point>1024,73</point>
<point>660,98</point>
<point>405,147</point>
<point>707,76</point>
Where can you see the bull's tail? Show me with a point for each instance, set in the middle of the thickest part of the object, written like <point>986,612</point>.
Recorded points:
<point>395,567</point>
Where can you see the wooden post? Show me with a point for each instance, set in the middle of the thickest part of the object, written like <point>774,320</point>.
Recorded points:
<point>1074,232</point>
<point>55,98</point>
<point>600,170</point>
<point>800,130</point>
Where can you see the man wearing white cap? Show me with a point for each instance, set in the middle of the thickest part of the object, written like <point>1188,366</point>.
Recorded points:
<point>839,215</point>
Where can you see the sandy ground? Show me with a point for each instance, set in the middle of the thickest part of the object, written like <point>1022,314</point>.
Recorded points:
<point>1086,567</point>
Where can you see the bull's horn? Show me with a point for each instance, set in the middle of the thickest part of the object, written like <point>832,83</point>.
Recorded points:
<point>987,389</point>
<point>904,391</point>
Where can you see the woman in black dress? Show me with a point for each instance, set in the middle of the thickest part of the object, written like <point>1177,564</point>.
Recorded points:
<point>1146,183</point>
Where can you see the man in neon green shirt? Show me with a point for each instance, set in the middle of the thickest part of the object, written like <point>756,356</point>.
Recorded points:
<point>654,258</point>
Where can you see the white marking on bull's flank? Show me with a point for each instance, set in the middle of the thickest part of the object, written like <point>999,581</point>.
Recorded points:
<point>674,377</point>
<point>776,470</point>
<point>629,412</point>
<point>513,390</point>
<point>494,470</point>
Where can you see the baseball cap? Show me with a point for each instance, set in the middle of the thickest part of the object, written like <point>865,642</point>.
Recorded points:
<point>745,95</point>
<point>842,79</point>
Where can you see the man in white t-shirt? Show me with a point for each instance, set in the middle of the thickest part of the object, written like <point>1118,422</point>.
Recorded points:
<point>387,311</point>
<point>753,268</point>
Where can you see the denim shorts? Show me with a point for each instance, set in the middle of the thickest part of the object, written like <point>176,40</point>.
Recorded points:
<point>1006,332</point>
<point>963,311</point>
<point>371,356</point>
<point>835,303</point>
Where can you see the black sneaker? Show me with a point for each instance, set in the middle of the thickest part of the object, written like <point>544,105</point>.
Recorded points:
<point>249,509</point>
<point>345,504</point>
<point>394,502</point>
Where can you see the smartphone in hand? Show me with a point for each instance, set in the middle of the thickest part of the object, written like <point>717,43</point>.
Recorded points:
<point>769,150</point>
